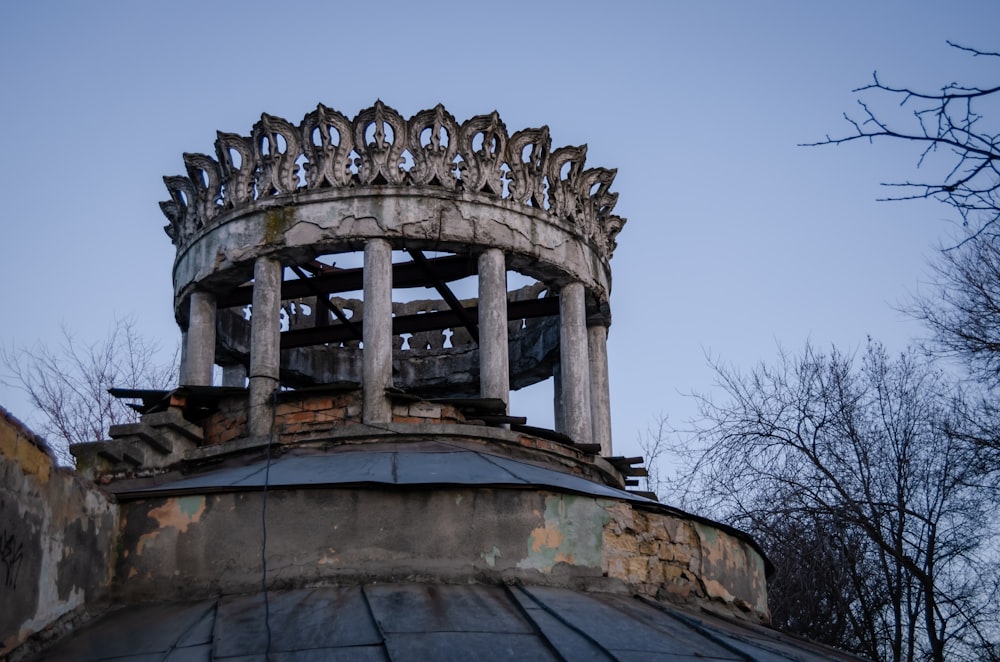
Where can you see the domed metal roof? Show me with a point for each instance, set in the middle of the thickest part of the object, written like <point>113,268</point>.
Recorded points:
<point>423,622</point>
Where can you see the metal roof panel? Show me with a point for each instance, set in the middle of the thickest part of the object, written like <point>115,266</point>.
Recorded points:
<point>427,622</point>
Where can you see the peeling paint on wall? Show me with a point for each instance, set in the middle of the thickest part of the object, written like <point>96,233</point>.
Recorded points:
<point>726,557</point>
<point>491,556</point>
<point>57,537</point>
<point>193,546</point>
<point>179,512</point>
<point>572,533</point>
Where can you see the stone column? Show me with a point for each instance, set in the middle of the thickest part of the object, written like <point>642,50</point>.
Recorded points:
<point>575,382</point>
<point>558,420</point>
<point>199,341</point>
<point>494,364</point>
<point>376,332</point>
<point>265,344</point>
<point>600,394</point>
<point>182,370</point>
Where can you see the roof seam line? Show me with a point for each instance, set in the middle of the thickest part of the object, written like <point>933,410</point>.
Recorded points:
<point>556,615</point>
<point>507,471</point>
<point>174,646</point>
<point>378,624</point>
<point>534,625</point>
<point>698,628</point>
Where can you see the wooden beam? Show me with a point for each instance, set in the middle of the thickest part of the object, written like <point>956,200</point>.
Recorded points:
<point>316,267</point>
<point>470,324</point>
<point>405,274</point>
<point>493,419</point>
<point>444,319</point>
<point>476,405</point>
<point>325,302</point>
<point>620,460</point>
<point>544,433</point>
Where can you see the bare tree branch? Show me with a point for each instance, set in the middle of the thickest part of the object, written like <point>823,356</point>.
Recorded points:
<point>68,384</point>
<point>950,128</point>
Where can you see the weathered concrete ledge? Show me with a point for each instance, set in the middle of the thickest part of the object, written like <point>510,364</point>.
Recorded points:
<point>194,546</point>
<point>550,249</point>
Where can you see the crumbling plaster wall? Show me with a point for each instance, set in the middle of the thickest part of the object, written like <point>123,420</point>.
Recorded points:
<point>57,537</point>
<point>683,560</point>
<point>207,544</point>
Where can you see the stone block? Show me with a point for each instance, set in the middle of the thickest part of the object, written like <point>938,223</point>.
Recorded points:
<point>425,410</point>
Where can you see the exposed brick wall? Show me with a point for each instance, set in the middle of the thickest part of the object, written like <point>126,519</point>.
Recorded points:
<point>307,414</point>
<point>227,423</point>
<point>311,413</point>
<point>669,558</point>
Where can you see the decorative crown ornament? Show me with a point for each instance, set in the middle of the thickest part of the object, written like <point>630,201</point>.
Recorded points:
<point>378,148</point>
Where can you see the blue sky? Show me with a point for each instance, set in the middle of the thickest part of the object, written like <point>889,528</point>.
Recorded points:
<point>738,240</point>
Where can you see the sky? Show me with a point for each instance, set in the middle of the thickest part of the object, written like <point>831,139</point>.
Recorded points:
<point>738,240</point>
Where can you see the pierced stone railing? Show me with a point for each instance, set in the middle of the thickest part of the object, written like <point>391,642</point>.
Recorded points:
<point>378,148</point>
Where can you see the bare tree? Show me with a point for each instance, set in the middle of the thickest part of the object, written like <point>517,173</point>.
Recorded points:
<point>958,145</point>
<point>654,445</point>
<point>962,309</point>
<point>884,473</point>
<point>858,476</point>
<point>825,584</point>
<point>68,384</point>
